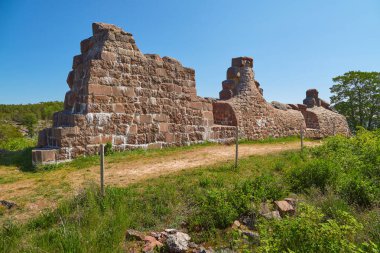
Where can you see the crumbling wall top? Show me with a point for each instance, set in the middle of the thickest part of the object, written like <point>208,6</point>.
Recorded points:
<point>243,61</point>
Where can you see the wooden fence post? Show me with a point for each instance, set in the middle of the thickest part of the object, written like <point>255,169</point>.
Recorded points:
<point>236,146</point>
<point>102,169</point>
<point>334,130</point>
<point>301,134</point>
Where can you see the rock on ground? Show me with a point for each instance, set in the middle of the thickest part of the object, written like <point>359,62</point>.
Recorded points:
<point>178,242</point>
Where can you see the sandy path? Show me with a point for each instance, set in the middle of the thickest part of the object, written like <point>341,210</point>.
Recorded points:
<point>41,192</point>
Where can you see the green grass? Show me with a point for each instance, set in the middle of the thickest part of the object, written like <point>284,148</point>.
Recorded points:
<point>130,155</point>
<point>21,158</point>
<point>209,199</point>
<point>90,223</point>
<point>270,140</point>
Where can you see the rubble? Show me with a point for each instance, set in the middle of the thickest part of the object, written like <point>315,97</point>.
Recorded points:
<point>7,204</point>
<point>284,207</point>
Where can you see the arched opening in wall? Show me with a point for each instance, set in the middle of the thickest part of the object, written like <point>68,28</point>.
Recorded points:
<point>311,120</point>
<point>224,114</point>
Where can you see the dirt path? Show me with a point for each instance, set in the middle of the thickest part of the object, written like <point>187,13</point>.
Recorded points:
<point>124,173</point>
<point>44,191</point>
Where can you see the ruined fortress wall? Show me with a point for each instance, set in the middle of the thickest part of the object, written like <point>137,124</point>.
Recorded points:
<point>322,123</point>
<point>257,118</point>
<point>242,99</point>
<point>119,95</point>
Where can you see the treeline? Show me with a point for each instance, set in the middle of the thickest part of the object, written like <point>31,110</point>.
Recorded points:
<point>356,95</point>
<point>27,115</point>
<point>21,113</point>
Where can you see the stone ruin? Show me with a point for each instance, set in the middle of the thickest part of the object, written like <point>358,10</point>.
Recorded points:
<point>134,100</point>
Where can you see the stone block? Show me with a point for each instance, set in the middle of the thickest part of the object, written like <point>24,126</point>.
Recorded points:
<point>160,72</point>
<point>228,84</point>
<point>177,89</point>
<point>70,99</point>
<point>155,57</point>
<point>161,117</point>
<point>233,73</point>
<point>70,79</point>
<point>169,137</point>
<point>118,108</point>
<point>145,118</point>
<point>118,140</point>
<point>284,207</point>
<point>70,131</point>
<point>208,115</point>
<point>226,94</point>
<point>108,56</point>
<point>242,62</point>
<point>96,89</point>
<point>132,129</point>
<point>77,60</point>
<point>164,127</point>
<point>100,99</point>
<point>43,156</point>
<point>196,105</point>
<point>93,139</point>
<point>154,145</point>
<point>103,27</point>
<point>85,45</point>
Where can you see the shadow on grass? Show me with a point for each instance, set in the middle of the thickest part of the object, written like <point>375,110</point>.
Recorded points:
<point>21,159</point>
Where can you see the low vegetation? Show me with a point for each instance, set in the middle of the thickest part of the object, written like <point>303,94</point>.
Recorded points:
<point>337,185</point>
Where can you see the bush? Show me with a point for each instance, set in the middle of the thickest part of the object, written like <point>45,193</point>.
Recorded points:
<point>330,203</point>
<point>8,131</point>
<point>108,149</point>
<point>267,187</point>
<point>17,144</point>
<point>309,232</point>
<point>30,120</point>
<point>358,191</point>
<point>218,208</point>
<point>315,173</point>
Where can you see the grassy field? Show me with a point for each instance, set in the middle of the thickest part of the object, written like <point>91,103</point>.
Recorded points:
<point>337,183</point>
<point>37,188</point>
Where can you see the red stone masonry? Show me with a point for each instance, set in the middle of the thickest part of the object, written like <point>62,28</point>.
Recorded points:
<point>119,95</point>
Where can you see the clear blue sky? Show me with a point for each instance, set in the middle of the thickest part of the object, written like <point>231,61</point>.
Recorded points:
<point>296,45</point>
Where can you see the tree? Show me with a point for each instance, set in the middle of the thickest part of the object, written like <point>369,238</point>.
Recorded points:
<point>29,120</point>
<point>356,95</point>
<point>8,131</point>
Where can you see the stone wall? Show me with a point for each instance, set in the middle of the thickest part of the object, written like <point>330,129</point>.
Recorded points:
<point>256,118</point>
<point>242,99</point>
<point>133,100</point>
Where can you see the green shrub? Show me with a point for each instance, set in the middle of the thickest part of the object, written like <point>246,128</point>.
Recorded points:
<point>219,207</point>
<point>309,232</point>
<point>204,182</point>
<point>371,222</point>
<point>331,204</point>
<point>267,187</point>
<point>15,144</point>
<point>315,173</point>
<point>9,233</point>
<point>30,120</point>
<point>358,191</point>
<point>108,149</point>
<point>21,159</point>
<point>8,131</point>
